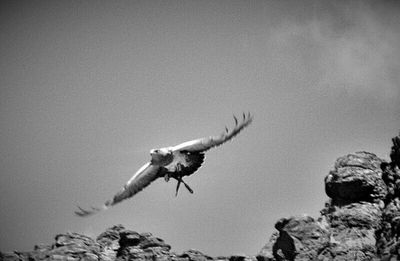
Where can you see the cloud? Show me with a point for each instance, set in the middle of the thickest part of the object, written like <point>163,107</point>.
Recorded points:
<point>353,48</point>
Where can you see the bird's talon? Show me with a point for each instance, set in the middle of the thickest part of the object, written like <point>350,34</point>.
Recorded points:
<point>188,188</point>
<point>180,180</point>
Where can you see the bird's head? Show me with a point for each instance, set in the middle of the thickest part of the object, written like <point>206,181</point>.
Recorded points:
<point>161,156</point>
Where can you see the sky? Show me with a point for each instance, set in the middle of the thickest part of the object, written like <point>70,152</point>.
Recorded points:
<point>87,88</point>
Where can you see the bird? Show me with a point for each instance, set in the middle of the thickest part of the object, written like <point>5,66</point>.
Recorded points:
<point>171,162</point>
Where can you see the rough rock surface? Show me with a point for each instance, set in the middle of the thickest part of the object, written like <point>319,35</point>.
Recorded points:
<point>356,177</point>
<point>116,243</point>
<point>360,221</point>
<point>299,238</point>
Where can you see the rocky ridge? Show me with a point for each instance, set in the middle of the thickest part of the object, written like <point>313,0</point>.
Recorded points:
<point>360,221</point>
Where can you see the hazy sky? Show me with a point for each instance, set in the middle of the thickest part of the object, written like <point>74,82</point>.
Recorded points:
<point>87,88</point>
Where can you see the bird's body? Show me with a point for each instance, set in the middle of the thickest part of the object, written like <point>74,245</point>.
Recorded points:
<point>171,162</point>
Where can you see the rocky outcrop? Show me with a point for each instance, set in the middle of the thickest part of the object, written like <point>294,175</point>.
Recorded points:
<point>347,227</point>
<point>116,243</point>
<point>360,221</point>
<point>299,238</point>
<point>69,246</point>
<point>357,177</point>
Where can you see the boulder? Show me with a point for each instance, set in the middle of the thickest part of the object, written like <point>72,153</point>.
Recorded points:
<point>356,177</point>
<point>300,238</point>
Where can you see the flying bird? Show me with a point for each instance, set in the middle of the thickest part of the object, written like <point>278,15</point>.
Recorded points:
<point>171,162</point>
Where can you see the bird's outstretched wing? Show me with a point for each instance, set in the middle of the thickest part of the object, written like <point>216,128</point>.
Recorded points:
<point>141,179</point>
<point>207,143</point>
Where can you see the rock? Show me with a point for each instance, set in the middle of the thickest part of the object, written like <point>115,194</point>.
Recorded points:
<point>362,215</point>
<point>266,253</point>
<point>116,243</point>
<point>69,246</point>
<point>354,214</point>
<point>360,221</point>
<point>147,240</point>
<point>395,152</point>
<point>300,238</point>
<point>388,244</point>
<point>10,256</point>
<point>350,221</point>
<point>356,177</point>
<point>141,246</point>
<point>110,235</point>
<point>360,159</point>
<point>242,258</point>
<point>352,244</point>
<point>195,255</point>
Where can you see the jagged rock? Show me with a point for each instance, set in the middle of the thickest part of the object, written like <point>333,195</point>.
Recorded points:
<point>388,244</point>
<point>354,214</point>
<point>195,255</point>
<point>361,221</point>
<point>356,177</point>
<point>395,152</point>
<point>363,215</point>
<point>240,258</point>
<point>362,159</point>
<point>352,244</point>
<point>110,235</point>
<point>116,243</point>
<point>300,238</point>
<point>149,254</point>
<point>141,246</point>
<point>10,256</point>
<point>391,177</point>
<point>348,224</point>
<point>148,240</point>
<point>70,246</point>
<point>109,240</point>
<point>265,253</point>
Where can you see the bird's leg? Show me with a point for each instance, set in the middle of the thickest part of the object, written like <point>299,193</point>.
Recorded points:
<point>187,186</point>
<point>180,180</point>
<point>177,186</point>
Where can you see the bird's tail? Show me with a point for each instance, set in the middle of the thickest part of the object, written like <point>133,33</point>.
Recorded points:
<point>88,212</point>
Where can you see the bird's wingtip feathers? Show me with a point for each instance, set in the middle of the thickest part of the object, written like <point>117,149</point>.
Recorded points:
<point>85,212</point>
